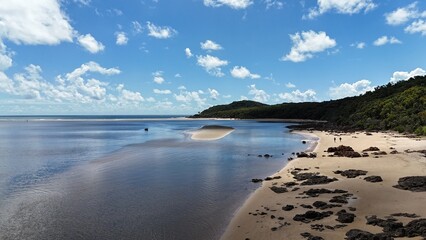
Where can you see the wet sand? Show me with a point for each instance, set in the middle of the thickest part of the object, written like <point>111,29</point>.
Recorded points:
<point>263,217</point>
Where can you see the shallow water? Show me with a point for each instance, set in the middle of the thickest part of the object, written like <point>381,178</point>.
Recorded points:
<point>112,180</point>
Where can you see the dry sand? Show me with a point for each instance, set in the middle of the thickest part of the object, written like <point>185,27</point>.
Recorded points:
<point>211,132</point>
<point>368,198</point>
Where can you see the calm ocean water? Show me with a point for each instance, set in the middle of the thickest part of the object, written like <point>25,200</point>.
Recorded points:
<point>104,177</point>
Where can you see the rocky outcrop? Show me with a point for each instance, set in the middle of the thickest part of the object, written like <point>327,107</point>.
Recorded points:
<point>412,183</point>
<point>351,173</point>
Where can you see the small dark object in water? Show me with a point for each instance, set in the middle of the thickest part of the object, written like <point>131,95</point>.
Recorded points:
<point>304,142</point>
<point>256,180</point>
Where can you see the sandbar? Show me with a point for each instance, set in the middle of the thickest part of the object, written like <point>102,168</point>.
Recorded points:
<point>211,132</point>
<point>263,216</point>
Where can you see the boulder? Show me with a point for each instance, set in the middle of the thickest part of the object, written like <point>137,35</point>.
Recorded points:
<point>412,183</point>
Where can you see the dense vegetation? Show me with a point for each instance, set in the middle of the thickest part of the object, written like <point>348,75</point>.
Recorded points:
<point>400,106</point>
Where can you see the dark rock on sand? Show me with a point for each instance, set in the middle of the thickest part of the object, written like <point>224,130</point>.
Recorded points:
<point>408,215</point>
<point>416,228</point>
<point>412,183</point>
<point>310,236</point>
<point>323,205</point>
<point>306,206</point>
<point>351,173</point>
<point>371,149</point>
<point>315,180</point>
<point>278,189</point>
<point>256,180</point>
<point>344,151</point>
<point>373,179</point>
<point>290,184</point>
<point>339,199</point>
<point>356,234</point>
<point>315,192</point>
<point>380,153</point>
<point>311,216</point>
<point>288,207</point>
<point>345,217</point>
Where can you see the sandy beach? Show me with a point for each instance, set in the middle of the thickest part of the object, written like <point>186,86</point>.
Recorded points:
<point>317,197</point>
<point>211,132</point>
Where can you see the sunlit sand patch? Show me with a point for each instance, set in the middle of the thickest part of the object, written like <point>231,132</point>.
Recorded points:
<point>211,132</point>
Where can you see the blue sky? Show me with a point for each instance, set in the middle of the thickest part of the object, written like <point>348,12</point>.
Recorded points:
<point>180,57</point>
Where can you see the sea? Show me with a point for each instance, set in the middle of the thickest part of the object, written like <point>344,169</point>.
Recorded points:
<point>106,177</point>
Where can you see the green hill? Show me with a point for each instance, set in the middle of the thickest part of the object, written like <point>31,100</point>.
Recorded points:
<point>400,106</point>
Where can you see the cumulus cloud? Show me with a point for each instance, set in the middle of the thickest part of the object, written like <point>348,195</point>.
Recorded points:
<point>341,6</point>
<point>350,89</point>
<point>359,45</point>
<point>401,76</point>
<point>214,94</point>
<point>127,96</point>
<point>402,15</point>
<point>418,26</point>
<point>258,94</point>
<point>5,58</point>
<point>242,72</point>
<point>298,96</point>
<point>210,45</point>
<point>122,38</point>
<point>34,22</point>
<point>305,44</point>
<point>234,4</point>
<point>90,44</point>
<point>212,64</point>
<point>187,97</point>
<point>188,52</point>
<point>273,4</point>
<point>383,40</point>
<point>158,91</point>
<point>158,77</point>
<point>160,32</point>
<point>91,67</point>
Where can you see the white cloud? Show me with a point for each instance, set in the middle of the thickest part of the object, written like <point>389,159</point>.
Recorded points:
<point>5,58</point>
<point>158,91</point>
<point>160,32</point>
<point>350,89</point>
<point>242,72</point>
<point>400,76</point>
<point>188,52</point>
<point>258,94</point>
<point>359,45</point>
<point>386,40</point>
<point>274,4</point>
<point>188,97</point>
<point>122,39</point>
<point>306,44</point>
<point>181,88</point>
<point>91,67</point>
<point>90,44</point>
<point>235,4</point>
<point>341,6</point>
<point>177,75</point>
<point>290,85</point>
<point>402,15</point>
<point>34,22</point>
<point>298,96</point>
<point>127,96</point>
<point>418,26</point>
<point>212,64</point>
<point>214,94</point>
<point>210,45</point>
<point>137,27</point>
<point>84,2</point>
<point>158,77</point>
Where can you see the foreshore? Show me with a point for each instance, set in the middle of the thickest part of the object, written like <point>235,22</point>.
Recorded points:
<point>317,197</point>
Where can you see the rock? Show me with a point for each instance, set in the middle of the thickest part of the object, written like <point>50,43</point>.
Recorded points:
<point>290,184</point>
<point>302,155</point>
<point>371,149</point>
<point>259,156</point>
<point>373,179</point>
<point>356,234</point>
<point>344,151</point>
<point>345,217</point>
<point>267,156</point>
<point>323,205</point>
<point>412,183</point>
<point>306,206</point>
<point>288,207</point>
<point>315,180</point>
<point>394,152</point>
<point>340,148</point>
<point>311,216</point>
<point>278,189</point>
<point>380,153</point>
<point>408,215</point>
<point>416,228</point>
<point>351,173</point>
<point>256,180</point>
<point>316,192</point>
<point>274,229</point>
<point>339,199</point>
<point>365,154</point>
<point>304,142</point>
<point>268,179</point>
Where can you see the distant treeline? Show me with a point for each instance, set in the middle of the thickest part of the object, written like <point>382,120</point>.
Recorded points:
<point>400,106</point>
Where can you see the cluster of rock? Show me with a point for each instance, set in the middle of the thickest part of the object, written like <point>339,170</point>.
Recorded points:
<point>344,151</point>
<point>351,173</point>
<point>306,155</point>
<point>312,178</point>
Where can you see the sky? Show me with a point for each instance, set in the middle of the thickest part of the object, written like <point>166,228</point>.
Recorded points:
<point>181,57</point>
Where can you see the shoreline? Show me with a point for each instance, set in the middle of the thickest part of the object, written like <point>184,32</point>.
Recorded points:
<point>262,217</point>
